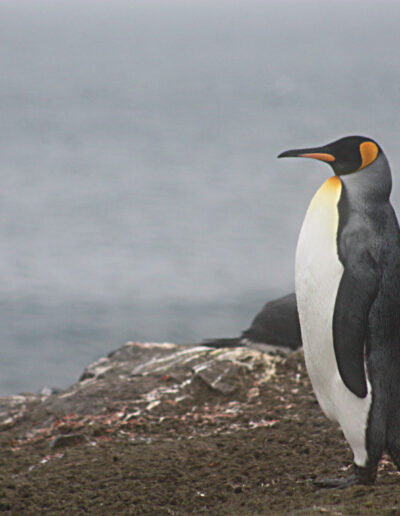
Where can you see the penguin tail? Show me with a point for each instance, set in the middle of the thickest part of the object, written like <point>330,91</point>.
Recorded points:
<point>233,342</point>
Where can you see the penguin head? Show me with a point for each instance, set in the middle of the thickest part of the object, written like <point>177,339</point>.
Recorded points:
<point>345,156</point>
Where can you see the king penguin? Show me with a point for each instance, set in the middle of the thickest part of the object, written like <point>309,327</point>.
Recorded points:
<point>347,278</point>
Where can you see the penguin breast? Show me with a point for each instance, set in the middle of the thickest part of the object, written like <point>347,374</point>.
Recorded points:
<point>318,274</point>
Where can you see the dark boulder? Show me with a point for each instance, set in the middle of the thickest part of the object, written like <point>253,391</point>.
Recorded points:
<point>277,324</point>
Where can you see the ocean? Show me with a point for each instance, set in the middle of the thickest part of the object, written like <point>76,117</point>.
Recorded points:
<point>140,194</point>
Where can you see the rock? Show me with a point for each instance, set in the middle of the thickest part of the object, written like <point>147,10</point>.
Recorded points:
<point>62,441</point>
<point>133,382</point>
<point>277,324</point>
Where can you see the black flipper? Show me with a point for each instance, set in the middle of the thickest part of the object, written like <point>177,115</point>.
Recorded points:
<point>357,291</point>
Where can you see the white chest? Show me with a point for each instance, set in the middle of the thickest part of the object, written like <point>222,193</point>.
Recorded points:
<point>318,274</point>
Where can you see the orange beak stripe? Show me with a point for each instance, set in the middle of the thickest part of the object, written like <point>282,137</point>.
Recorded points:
<point>319,155</point>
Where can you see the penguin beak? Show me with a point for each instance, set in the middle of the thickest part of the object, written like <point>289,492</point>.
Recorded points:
<point>315,153</point>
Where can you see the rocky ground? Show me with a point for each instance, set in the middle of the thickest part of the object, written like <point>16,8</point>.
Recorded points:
<point>159,429</point>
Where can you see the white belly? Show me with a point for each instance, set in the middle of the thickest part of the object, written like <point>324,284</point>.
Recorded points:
<point>318,274</point>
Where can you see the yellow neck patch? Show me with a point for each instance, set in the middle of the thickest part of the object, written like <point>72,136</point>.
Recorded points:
<point>369,152</point>
<point>327,196</point>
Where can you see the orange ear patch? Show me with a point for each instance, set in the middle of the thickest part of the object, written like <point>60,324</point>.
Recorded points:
<point>322,156</point>
<point>369,152</point>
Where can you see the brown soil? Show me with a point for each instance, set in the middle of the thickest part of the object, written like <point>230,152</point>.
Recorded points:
<point>183,448</point>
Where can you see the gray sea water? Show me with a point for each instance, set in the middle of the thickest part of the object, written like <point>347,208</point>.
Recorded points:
<point>140,195</point>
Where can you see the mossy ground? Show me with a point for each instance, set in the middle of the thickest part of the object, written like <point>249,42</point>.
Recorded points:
<point>253,452</point>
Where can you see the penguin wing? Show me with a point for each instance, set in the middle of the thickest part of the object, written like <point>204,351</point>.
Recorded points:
<point>357,291</point>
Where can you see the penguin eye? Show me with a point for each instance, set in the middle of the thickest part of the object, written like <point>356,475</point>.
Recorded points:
<point>369,152</point>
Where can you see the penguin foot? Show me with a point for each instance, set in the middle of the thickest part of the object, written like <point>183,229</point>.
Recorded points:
<point>337,483</point>
<point>362,475</point>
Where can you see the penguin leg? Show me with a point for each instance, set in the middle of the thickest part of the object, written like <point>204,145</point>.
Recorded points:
<point>393,437</point>
<point>361,475</point>
<point>367,445</point>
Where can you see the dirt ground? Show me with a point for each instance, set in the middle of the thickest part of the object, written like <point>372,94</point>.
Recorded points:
<point>253,450</point>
